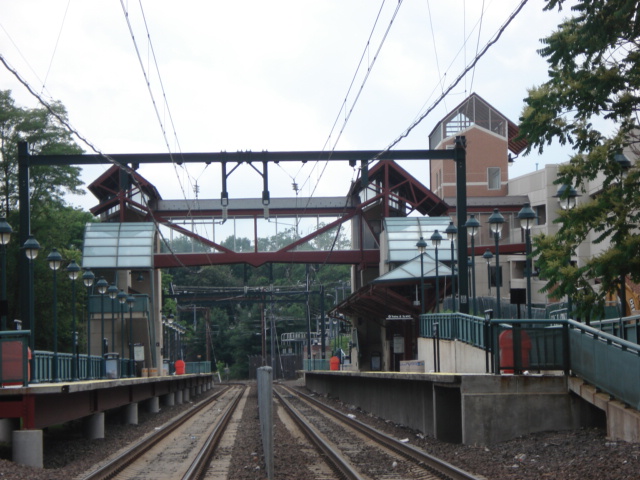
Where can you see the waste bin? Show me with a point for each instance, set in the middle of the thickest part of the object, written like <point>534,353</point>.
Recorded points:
<point>334,363</point>
<point>180,367</point>
<point>11,363</point>
<point>507,350</point>
<point>112,365</point>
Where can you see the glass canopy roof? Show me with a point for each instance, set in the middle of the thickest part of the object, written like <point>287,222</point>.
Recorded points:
<point>118,245</point>
<point>411,270</point>
<point>404,232</point>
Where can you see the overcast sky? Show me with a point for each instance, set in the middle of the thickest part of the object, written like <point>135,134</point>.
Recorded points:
<point>259,75</point>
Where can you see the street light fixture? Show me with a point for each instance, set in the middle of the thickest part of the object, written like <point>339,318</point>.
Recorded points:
<point>73,270</point>
<point>624,163</point>
<point>131,302</point>
<point>112,291</point>
<point>473,226</point>
<point>527,218</point>
<point>488,256</point>
<point>5,237</point>
<point>31,248</point>
<point>88,278</point>
<point>566,197</point>
<point>436,238</point>
<point>55,261</point>
<point>422,245</point>
<point>495,224</point>
<point>452,233</point>
<point>102,285</point>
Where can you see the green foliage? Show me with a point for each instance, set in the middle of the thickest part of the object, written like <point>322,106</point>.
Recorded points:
<point>53,223</point>
<point>592,90</point>
<point>235,325</point>
<point>45,136</point>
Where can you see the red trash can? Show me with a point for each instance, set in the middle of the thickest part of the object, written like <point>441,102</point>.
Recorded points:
<point>505,341</point>
<point>334,363</point>
<point>11,363</point>
<point>180,365</point>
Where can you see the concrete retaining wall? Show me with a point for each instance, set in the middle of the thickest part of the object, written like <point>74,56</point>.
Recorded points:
<point>455,356</point>
<point>471,409</point>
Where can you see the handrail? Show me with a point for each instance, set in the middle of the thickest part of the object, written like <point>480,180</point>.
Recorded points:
<point>603,359</point>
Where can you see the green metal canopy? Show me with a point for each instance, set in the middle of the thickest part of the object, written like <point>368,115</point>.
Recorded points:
<point>118,245</point>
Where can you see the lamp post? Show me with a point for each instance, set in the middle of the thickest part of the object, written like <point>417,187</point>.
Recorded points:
<point>102,286</point>
<point>55,261</point>
<point>122,299</point>
<point>436,238</point>
<point>495,224</point>
<point>5,237</point>
<point>131,301</point>
<point>452,233</point>
<point>567,196</point>
<point>488,256</point>
<point>473,225</point>
<point>625,165</point>
<point>87,279</point>
<point>170,319</point>
<point>31,248</point>
<point>422,245</point>
<point>527,216</point>
<point>112,291</point>
<point>73,270</point>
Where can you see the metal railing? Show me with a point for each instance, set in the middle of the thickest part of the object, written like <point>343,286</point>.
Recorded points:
<point>610,363</point>
<point>454,326</point>
<point>197,367</point>
<point>315,364</point>
<point>604,360</point>
<point>89,368</point>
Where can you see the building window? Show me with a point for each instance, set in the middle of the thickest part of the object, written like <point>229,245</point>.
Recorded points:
<point>493,178</point>
<point>541,212</point>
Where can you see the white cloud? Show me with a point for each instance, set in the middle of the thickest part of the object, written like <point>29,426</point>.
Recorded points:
<point>254,75</point>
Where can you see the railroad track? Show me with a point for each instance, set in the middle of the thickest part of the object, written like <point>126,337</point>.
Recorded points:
<point>179,450</point>
<point>350,445</point>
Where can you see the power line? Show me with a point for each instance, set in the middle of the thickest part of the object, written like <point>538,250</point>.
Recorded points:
<point>63,121</point>
<point>166,105</point>
<point>491,42</point>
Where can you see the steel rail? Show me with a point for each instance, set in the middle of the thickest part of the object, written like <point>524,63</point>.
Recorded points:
<point>336,461</point>
<point>126,458</point>
<point>430,462</point>
<point>201,462</point>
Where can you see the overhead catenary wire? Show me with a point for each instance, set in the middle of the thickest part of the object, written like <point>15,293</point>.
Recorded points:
<point>166,106</point>
<point>473,63</point>
<point>55,48</point>
<point>64,122</point>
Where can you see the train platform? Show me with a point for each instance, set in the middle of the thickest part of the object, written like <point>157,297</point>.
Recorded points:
<point>473,409</point>
<point>26,410</point>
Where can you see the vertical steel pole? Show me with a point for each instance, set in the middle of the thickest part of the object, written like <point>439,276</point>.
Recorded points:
<point>461,213</point>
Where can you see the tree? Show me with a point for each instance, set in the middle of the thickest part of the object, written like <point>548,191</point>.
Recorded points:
<point>41,129</point>
<point>53,222</point>
<point>591,102</point>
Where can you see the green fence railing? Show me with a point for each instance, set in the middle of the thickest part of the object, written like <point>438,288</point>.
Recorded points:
<point>315,364</point>
<point>197,367</point>
<point>605,360</point>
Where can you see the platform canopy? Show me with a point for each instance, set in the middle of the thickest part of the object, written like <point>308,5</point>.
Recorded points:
<point>119,245</point>
<point>409,271</point>
<point>404,232</point>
